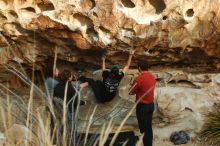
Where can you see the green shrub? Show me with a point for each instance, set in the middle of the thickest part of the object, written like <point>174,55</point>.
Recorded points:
<point>211,130</point>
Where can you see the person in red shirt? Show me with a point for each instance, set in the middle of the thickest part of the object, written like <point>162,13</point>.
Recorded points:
<point>143,87</point>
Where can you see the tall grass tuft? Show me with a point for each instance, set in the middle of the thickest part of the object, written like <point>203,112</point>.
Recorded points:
<point>211,130</point>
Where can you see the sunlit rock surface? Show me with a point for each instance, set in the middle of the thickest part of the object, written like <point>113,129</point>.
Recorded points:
<point>169,32</point>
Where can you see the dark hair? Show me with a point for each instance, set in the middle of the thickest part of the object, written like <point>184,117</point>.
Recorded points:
<point>144,66</point>
<point>48,70</point>
<point>115,70</point>
<point>65,75</point>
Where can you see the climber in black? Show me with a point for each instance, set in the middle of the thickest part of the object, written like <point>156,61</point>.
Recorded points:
<point>106,89</point>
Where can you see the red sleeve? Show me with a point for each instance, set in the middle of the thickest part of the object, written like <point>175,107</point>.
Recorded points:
<point>133,89</point>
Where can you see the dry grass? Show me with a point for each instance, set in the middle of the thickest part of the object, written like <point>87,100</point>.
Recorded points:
<point>15,110</point>
<point>39,123</point>
<point>211,130</point>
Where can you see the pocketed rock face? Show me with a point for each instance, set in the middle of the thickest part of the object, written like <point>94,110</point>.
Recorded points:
<point>169,32</point>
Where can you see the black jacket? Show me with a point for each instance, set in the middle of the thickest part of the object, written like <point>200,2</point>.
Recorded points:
<point>59,91</point>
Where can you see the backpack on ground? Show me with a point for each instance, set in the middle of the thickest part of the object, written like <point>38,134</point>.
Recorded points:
<point>180,137</point>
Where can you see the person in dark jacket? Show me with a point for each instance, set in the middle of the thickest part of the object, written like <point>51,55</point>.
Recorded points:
<point>64,89</point>
<point>67,92</point>
<point>106,89</point>
<point>51,81</point>
<point>143,87</point>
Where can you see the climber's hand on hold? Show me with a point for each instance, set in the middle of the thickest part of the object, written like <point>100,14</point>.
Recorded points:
<point>132,52</point>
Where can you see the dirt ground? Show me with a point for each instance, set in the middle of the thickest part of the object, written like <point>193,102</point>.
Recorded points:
<point>158,142</point>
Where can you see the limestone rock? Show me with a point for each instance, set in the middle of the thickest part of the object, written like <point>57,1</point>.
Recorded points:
<point>183,104</point>
<point>162,31</point>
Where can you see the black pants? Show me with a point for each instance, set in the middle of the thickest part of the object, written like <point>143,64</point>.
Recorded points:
<point>98,89</point>
<point>144,114</point>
